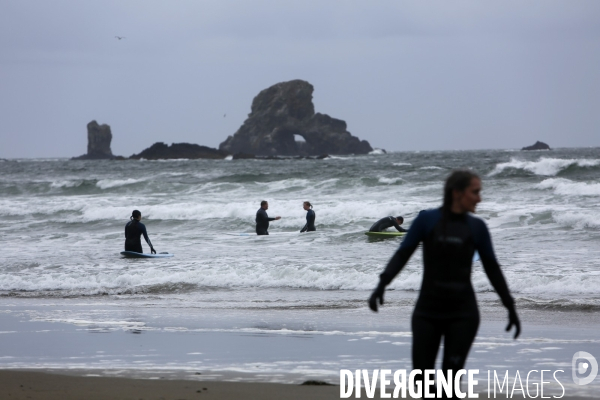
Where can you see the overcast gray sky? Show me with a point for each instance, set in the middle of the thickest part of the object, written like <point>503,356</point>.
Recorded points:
<point>404,75</point>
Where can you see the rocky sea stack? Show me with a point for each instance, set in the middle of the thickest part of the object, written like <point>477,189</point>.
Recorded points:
<point>99,138</point>
<point>537,146</point>
<point>179,150</point>
<point>284,110</point>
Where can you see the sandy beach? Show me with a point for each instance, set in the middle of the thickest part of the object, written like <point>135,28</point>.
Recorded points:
<point>23,385</point>
<point>16,385</point>
<point>57,360</point>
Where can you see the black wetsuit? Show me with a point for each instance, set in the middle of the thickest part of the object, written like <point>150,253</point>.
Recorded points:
<point>447,306</point>
<point>310,222</point>
<point>133,230</point>
<point>385,223</point>
<point>262,222</point>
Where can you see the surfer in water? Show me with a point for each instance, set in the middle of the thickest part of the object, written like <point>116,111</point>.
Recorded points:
<point>262,219</point>
<point>447,306</point>
<point>310,218</point>
<point>388,222</point>
<point>133,230</point>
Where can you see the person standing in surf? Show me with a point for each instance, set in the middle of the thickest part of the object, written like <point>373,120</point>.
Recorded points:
<point>447,306</point>
<point>310,218</point>
<point>133,230</point>
<point>262,219</point>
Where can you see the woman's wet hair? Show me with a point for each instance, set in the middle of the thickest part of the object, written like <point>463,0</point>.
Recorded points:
<point>400,218</point>
<point>135,214</point>
<point>308,203</point>
<point>459,180</point>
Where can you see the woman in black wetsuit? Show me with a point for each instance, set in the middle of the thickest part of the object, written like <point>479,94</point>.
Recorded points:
<point>447,306</point>
<point>133,230</point>
<point>310,218</point>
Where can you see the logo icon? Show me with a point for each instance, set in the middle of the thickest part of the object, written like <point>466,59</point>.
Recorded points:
<point>582,361</point>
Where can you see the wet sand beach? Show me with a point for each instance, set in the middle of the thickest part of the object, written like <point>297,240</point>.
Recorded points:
<point>267,349</point>
<point>24,385</point>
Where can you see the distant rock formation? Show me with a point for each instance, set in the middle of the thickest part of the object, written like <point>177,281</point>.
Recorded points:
<point>99,138</point>
<point>284,110</point>
<point>160,151</point>
<point>537,146</point>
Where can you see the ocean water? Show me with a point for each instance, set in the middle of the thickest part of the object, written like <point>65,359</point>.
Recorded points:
<point>62,221</point>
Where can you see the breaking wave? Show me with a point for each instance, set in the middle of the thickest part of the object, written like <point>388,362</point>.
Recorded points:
<point>543,166</point>
<point>570,188</point>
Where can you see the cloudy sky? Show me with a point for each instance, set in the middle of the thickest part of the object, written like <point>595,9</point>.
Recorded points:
<point>404,75</point>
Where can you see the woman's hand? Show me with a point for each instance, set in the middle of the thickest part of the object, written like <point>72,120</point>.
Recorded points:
<point>513,320</point>
<point>377,296</point>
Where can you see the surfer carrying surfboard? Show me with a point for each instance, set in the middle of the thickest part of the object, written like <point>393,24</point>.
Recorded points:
<point>388,222</point>
<point>447,306</point>
<point>133,230</point>
<point>262,219</point>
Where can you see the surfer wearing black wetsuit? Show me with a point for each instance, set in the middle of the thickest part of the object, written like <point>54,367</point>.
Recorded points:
<point>133,230</point>
<point>388,222</point>
<point>447,306</point>
<point>262,219</point>
<point>310,218</point>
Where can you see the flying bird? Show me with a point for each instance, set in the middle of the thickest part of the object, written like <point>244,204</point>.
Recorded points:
<point>224,115</point>
<point>120,37</point>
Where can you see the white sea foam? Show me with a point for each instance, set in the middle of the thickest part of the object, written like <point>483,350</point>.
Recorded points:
<point>570,188</point>
<point>248,274</point>
<point>377,152</point>
<point>402,164</point>
<point>544,166</point>
<point>30,160</point>
<point>340,158</point>
<point>578,219</point>
<point>111,183</point>
<point>540,283</point>
<point>390,181</point>
<point>195,207</point>
<point>66,183</point>
<point>227,275</point>
<point>96,322</point>
<point>284,184</point>
<point>431,167</point>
